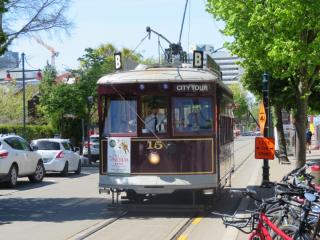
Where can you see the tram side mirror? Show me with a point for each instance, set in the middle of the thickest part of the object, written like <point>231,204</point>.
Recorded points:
<point>197,59</point>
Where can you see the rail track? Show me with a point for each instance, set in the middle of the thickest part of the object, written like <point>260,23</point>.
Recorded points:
<point>191,215</point>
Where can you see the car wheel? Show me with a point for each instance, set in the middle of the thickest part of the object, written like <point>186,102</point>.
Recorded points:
<point>38,174</point>
<point>65,170</point>
<point>13,176</point>
<point>78,171</point>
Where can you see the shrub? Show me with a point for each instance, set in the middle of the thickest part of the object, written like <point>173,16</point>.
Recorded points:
<point>32,131</point>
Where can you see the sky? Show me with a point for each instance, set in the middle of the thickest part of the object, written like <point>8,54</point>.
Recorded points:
<point>123,23</point>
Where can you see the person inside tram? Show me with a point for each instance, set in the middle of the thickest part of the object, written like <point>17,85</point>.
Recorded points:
<point>155,121</point>
<point>193,120</point>
<point>205,118</point>
<point>200,119</point>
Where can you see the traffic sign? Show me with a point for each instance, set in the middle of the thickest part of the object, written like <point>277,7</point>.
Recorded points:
<point>264,148</point>
<point>262,118</point>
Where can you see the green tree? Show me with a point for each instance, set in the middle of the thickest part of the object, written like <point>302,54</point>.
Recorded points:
<point>20,18</point>
<point>61,105</point>
<point>241,102</point>
<point>280,37</point>
<point>95,63</point>
<point>11,102</point>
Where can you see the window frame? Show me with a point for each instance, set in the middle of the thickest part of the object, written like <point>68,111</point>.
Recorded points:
<point>141,124</point>
<point>201,133</point>
<point>108,99</point>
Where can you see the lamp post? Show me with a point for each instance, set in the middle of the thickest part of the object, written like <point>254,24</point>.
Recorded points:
<point>23,87</point>
<point>90,103</point>
<point>267,130</point>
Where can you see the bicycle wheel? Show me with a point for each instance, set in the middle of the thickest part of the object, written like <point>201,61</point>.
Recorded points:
<point>289,230</point>
<point>279,216</point>
<point>292,231</point>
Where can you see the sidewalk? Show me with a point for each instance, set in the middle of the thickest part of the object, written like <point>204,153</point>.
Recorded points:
<point>277,171</point>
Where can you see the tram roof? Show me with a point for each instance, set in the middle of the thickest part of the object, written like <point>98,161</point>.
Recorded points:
<point>161,74</point>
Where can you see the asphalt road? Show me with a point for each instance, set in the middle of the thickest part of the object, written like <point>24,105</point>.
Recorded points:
<point>69,207</point>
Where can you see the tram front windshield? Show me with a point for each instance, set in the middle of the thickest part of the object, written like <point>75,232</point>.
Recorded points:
<point>121,117</point>
<point>192,115</point>
<point>189,116</point>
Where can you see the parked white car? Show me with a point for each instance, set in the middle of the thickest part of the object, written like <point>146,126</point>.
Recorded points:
<point>94,148</point>
<point>17,159</point>
<point>58,155</point>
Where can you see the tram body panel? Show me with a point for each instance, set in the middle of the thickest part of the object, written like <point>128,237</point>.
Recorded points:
<point>163,184</point>
<point>164,156</point>
<point>226,162</point>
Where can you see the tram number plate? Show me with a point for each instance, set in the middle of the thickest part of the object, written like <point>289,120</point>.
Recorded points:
<point>264,148</point>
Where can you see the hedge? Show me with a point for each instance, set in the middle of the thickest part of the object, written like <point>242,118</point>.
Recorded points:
<point>32,131</point>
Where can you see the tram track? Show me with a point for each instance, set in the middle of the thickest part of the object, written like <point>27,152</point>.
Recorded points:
<point>178,231</point>
<point>88,232</point>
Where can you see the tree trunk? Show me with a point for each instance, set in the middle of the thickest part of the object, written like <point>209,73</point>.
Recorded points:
<point>301,125</point>
<point>280,131</point>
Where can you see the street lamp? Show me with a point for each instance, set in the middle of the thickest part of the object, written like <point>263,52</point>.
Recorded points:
<point>8,77</point>
<point>267,130</point>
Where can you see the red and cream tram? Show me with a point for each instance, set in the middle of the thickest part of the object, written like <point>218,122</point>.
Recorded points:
<point>165,129</point>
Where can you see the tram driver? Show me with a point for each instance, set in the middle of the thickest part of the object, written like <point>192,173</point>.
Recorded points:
<point>155,121</point>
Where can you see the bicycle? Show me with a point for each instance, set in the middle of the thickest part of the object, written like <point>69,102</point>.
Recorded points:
<point>261,226</point>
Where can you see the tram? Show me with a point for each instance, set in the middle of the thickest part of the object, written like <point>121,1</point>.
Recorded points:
<point>165,129</point>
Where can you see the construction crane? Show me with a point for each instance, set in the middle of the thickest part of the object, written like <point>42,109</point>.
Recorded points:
<point>54,53</point>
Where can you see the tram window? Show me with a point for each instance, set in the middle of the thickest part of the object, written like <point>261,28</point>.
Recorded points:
<point>154,114</point>
<point>121,117</point>
<point>226,126</point>
<point>192,115</point>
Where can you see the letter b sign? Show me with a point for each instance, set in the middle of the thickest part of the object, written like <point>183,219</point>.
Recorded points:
<point>197,59</point>
<point>117,61</point>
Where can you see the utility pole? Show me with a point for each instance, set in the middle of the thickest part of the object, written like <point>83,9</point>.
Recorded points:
<point>24,94</point>
<point>23,71</point>
<point>90,103</point>
<point>266,132</point>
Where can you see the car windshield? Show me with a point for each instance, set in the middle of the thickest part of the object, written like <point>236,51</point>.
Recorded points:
<point>47,145</point>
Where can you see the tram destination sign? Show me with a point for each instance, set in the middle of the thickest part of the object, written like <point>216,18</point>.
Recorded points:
<point>192,88</point>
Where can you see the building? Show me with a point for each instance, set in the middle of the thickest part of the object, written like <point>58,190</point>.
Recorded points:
<point>9,60</point>
<point>229,64</point>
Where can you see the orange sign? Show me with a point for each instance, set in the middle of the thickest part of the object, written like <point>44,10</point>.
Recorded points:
<point>262,118</point>
<point>264,148</point>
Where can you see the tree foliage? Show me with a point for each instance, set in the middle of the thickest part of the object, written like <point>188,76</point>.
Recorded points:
<point>282,38</point>
<point>24,17</point>
<point>64,105</point>
<point>240,99</point>
<point>11,103</point>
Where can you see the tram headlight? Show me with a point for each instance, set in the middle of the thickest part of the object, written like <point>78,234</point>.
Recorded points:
<point>153,158</point>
